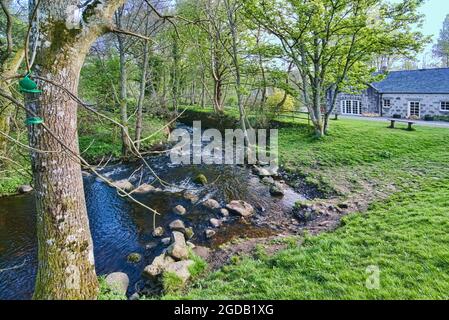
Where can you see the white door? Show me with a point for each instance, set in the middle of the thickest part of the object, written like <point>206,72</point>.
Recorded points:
<point>353,107</point>
<point>414,109</point>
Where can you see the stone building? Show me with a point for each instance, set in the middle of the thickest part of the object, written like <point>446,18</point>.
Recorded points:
<point>406,94</point>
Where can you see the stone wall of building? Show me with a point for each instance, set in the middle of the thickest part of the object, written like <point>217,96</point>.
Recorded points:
<point>430,104</point>
<point>369,99</point>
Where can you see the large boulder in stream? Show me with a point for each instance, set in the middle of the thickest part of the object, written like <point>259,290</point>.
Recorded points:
<point>118,281</point>
<point>159,264</point>
<point>241,208</point>
<point>178,250</point>
<point>177,225</point>
<point>211,204</point>
<point>179,210</point>
<point>181,269</point>
<point>144,188</point>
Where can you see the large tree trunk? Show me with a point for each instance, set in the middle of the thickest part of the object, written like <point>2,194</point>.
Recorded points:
<point>66,268</point>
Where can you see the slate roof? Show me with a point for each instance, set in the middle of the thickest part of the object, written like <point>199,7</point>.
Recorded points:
<point>415,81</point>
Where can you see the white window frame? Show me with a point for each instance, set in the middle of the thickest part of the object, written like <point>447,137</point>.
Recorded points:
<point>410,108</point>
<point>349,106</point>
<point>384,103</point>
<point>446,106</point>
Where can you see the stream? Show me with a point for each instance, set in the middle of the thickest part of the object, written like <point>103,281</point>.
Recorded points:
<point>120,227</point>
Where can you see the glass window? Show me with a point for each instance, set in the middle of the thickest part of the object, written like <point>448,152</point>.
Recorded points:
<point>444,106</point>
<point>351,107</point>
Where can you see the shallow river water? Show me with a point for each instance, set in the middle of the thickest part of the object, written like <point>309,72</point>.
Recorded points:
<point>120,227</point>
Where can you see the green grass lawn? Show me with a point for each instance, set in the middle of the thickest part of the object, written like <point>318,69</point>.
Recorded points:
<point>404,232</point>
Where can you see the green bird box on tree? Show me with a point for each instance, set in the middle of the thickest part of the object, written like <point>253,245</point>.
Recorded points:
<point>29,86</point>
<point>35,120</point>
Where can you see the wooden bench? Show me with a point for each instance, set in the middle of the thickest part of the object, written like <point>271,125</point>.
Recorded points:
<point>393,121</point>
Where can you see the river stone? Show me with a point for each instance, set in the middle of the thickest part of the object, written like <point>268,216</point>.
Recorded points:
<point>181,269</point>
<point>277,190</point>
<point>210,233</point>
<point>158,232</point>
<point>166,241</point>
<point>180,210</point>
<point>144,188</point>
<point>177,225</point>
<point>158,265</point>
<point>211,204</point>
<point>274,171</point>
<point>262,172</point>
<point>202,252</point>
<point>178,249</point>
<point>134,257</point>
<point>268,180</point>
<point>124,185</point>
<point>200,179</point>
<point>189,233</point>
<point>24,189</point>
<point>215,223</point>
<point>191,197</point>
<point>241,207</point>
<point>224,212</point>
<point>118,281</point>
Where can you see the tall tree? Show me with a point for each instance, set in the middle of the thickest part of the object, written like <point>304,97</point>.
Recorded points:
<point>122,49</point>
<point>330,40</point>
<point>441,48</point>
<point>66,268</point>
<point>232,8</point>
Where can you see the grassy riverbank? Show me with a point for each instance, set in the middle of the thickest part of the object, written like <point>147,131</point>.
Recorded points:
<point>404,177</point>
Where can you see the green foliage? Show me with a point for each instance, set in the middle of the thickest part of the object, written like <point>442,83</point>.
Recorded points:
<point>172,283</point>
<point>100,139</point>
<point>404,235</point>
<point>198,267</point>
<point>100,78</point>
<point>108,293</point>
<point>276,98</point>
<point>10,180</point>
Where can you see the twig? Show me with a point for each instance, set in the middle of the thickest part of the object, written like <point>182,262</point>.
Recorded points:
<point>15,267</point>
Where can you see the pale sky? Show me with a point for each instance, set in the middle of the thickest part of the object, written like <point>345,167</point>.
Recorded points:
<point>435,11</point>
